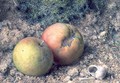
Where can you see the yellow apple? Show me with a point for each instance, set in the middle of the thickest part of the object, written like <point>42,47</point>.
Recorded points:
<point>32,56</point>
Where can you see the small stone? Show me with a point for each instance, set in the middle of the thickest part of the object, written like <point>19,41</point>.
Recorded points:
<point>102,34</point>
<point>18,78</point>
<point>110,56</point>
<point>110,17</point>
<point>3,68</point>
<point>73,72</point>
<point>41,29</point>
<point>84,66</point>
<point>67,78</point>
<point>38,26</point>
<point>117,81</point>
<point>70,81</point>
<point>91,56</point>
<point>94,37</point>
<point>82,74</point>
<point>12,72</point>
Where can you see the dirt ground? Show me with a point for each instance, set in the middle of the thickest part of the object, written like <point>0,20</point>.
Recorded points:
<point>101,32</point>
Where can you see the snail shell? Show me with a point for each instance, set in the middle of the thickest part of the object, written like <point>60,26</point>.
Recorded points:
<point>98,72</point>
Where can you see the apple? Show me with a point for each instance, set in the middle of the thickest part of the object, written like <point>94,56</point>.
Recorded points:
<point>32,56</point>
<point>65,41</point>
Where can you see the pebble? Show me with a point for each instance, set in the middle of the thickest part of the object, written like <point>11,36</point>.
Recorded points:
<point>12,72</point>
<point>94,37</point>
<point>118,82</point>
<point>73,72</point>
<point>102,34</point>
<point>70,81</point>
<point>82,74</point>
<point>91,56</point>
<point>18,78</point>
<point>67,78</point>
<point>3,68</point>
<point>37,26</point>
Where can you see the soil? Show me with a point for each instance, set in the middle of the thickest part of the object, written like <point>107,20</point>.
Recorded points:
<point>101,32</point>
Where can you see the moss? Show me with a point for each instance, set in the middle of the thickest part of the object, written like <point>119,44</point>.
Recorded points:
<point>50,11</point>
<point>52,2</point>
<point>97,5</point>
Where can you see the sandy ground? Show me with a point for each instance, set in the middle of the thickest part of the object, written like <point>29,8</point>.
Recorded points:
<point>101,34</point>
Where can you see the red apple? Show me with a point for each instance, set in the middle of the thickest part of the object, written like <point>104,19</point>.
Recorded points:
<point>65,41</point>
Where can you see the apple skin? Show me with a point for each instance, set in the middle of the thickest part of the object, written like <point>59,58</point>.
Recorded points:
<point>65,41</point>
<point>32,56</point>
